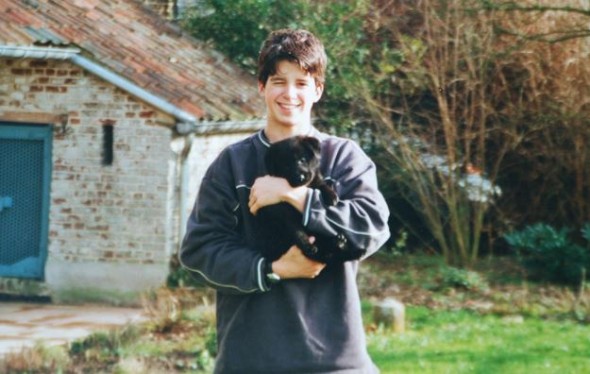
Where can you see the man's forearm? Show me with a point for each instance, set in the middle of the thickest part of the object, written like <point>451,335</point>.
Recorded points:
<point>297,197</point>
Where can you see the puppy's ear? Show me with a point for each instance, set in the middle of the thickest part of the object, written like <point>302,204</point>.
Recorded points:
<point>312,144</point>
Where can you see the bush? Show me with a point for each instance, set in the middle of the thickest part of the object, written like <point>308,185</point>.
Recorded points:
<point>37,359</point>
<point>550,254</point>
<point>104,347</point>
<point>463,279</point>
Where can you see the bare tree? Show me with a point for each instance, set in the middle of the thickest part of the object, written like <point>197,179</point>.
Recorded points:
<point>437,153</point>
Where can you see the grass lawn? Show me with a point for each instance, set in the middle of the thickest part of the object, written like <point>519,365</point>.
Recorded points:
<point>466,342</point>
<point>455,323</point>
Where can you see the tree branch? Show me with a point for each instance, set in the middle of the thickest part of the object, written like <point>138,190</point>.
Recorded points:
<point>512,6</point>
<point>549,37</point>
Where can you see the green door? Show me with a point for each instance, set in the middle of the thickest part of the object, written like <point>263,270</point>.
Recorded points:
<point>25,174</point>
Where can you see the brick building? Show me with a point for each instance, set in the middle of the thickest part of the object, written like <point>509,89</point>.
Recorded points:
<point>109,116</point>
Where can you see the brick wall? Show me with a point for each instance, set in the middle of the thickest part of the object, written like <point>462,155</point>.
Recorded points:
<point>114,213</point>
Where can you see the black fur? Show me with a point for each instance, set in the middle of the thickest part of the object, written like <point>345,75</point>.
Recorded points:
<point>297,159</point>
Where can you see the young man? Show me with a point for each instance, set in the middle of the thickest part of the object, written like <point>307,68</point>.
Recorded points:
<point>293,315</point>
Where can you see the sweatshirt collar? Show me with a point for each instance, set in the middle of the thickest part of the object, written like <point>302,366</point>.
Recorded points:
<point>264,140</point>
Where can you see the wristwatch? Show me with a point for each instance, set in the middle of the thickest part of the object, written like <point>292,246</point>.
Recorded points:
<point>270,276</point>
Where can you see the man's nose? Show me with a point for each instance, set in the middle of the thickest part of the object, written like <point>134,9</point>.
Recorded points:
<point>291,90</point>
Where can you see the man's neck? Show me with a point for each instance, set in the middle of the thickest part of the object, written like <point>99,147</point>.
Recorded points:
<point>274,134</point>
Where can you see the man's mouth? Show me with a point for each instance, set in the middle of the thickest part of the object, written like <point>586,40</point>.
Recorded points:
<point>287,106</point>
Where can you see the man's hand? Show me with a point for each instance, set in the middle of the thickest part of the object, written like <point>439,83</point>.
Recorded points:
<point>269,190</point>
<point>294,264</point>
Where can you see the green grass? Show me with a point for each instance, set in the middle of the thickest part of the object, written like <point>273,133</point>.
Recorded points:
<point>466,342</point>
<point>452,326</point>
<point>435,341</point>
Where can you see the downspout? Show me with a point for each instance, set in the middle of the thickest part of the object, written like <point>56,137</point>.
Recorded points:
<point>184,186</point>
<point>178,213</point>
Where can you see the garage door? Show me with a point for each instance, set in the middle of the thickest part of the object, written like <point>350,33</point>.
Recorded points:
<point>25,170</point>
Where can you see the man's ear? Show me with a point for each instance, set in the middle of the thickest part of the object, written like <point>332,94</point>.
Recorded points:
<point>319,89</point>
<point>261,87</point>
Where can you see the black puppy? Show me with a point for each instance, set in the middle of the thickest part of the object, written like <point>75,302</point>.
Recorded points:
<point>297,159</point>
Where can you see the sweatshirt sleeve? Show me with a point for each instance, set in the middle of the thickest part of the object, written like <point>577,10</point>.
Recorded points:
<point>212,249</point>
<point>361,214</point>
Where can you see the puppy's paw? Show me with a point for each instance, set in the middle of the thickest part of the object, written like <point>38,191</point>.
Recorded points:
<point>341,241</point>
<point>303,242</point>
<point>329,196</point>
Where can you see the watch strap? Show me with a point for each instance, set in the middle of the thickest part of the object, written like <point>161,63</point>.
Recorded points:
<point>269,275</point>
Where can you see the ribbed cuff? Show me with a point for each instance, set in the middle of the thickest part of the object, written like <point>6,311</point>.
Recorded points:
<point>262,282</point>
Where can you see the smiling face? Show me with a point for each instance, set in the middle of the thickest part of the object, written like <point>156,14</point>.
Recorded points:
<point>289,95</point>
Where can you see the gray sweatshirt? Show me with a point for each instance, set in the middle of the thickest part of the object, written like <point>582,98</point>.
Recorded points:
<point>295,326</point>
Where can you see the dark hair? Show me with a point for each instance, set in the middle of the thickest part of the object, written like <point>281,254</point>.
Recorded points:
<point>298,46</point>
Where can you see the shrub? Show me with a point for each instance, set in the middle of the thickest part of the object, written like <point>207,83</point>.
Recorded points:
<point>37,359</point>
<point>463,278</point>
<point>550,254</point>
<point>104,347</point>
